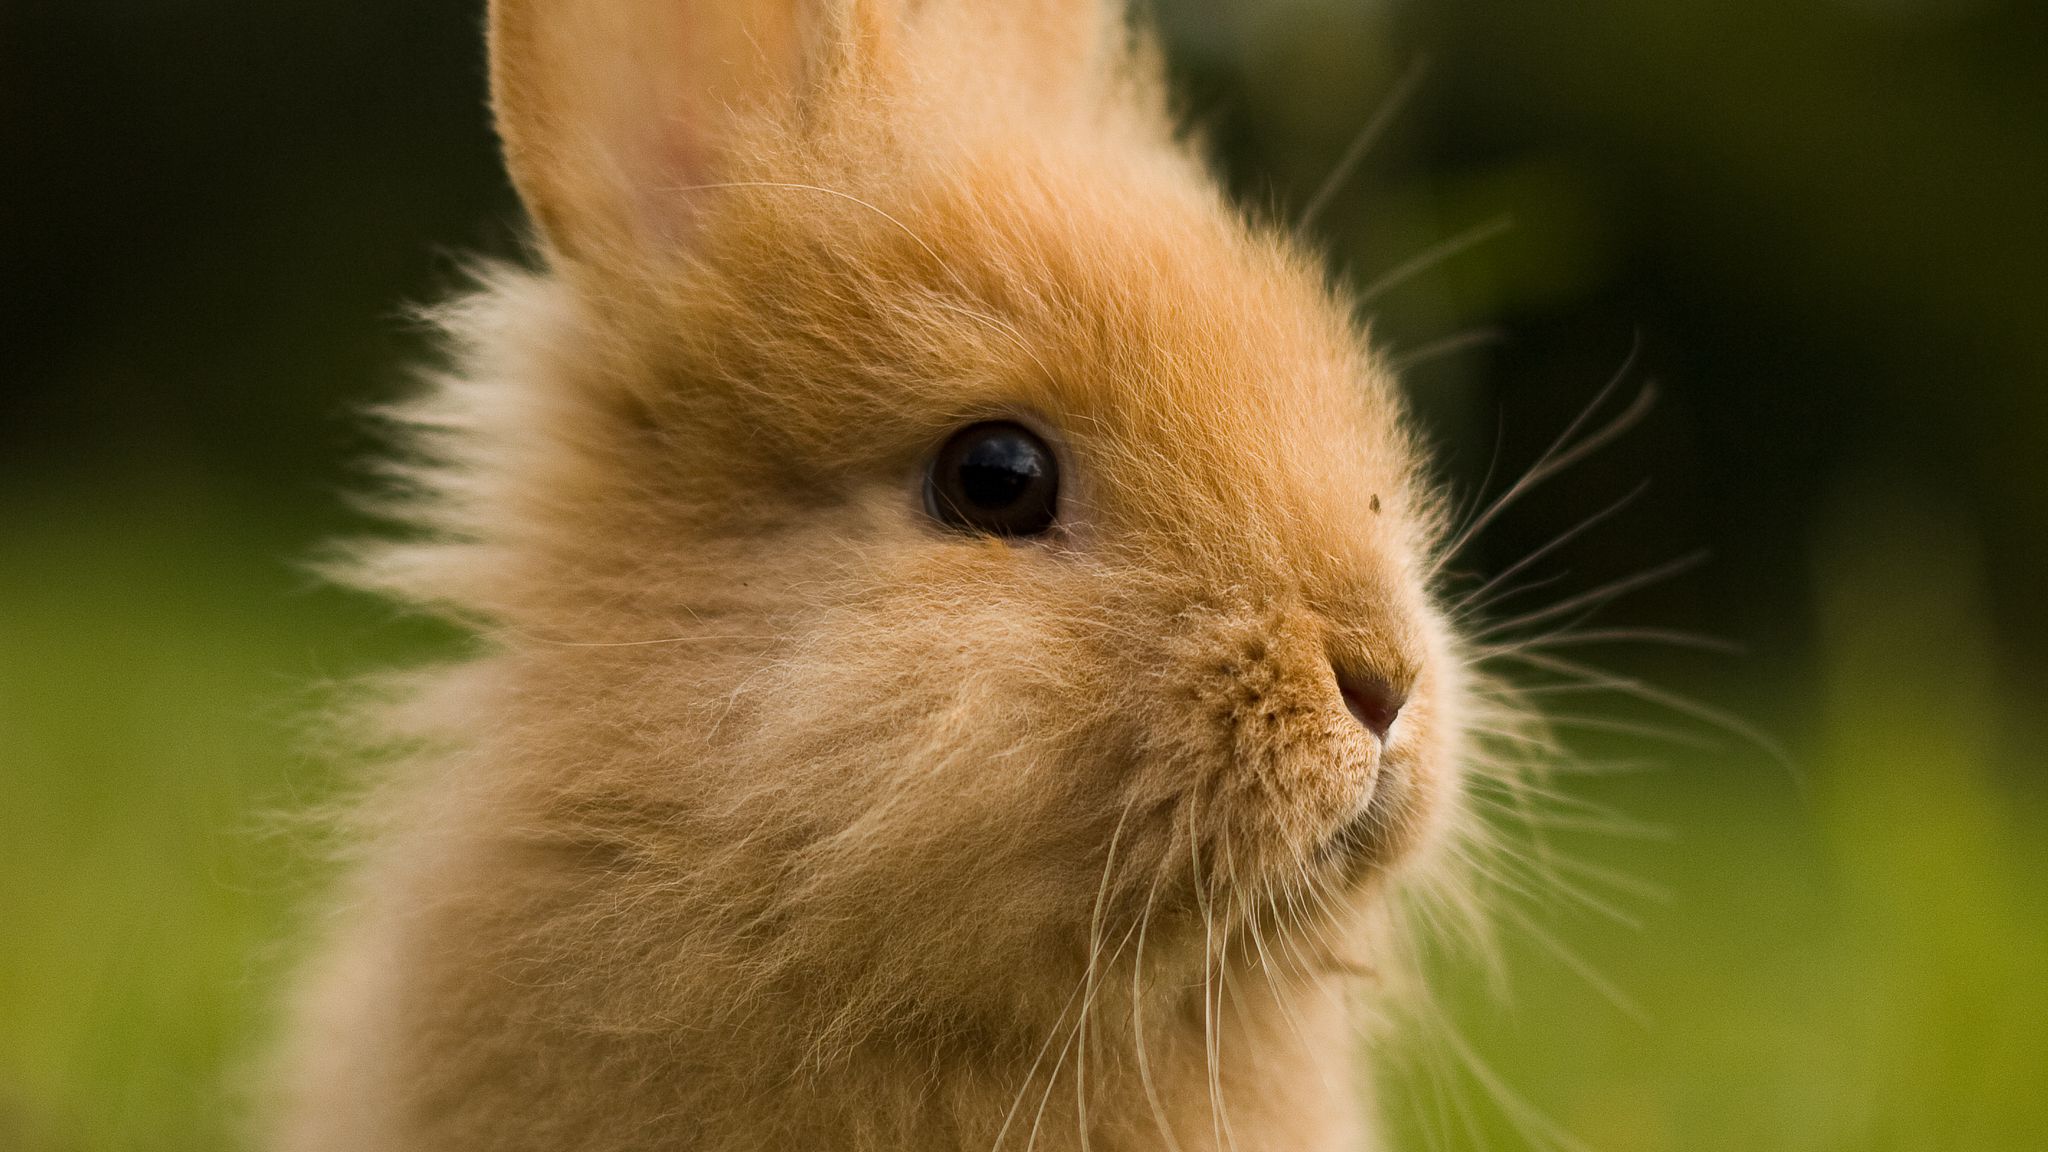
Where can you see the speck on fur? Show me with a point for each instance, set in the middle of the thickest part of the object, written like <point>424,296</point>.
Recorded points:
<point>770,815</point>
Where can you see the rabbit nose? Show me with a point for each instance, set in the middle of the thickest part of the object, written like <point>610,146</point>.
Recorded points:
<point>1373,701</point>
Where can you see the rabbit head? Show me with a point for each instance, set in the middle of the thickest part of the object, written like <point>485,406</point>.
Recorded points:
<point>933,548</point>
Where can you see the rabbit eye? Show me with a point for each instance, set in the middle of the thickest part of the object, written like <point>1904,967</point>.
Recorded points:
<point>996,478</point>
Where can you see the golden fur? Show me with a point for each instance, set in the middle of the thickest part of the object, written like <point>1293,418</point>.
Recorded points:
<point>771,816</point>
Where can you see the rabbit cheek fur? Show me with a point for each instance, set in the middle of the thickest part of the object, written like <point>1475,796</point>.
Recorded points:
<point>774,815</point>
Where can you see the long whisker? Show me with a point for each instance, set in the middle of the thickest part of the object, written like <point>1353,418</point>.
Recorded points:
<point>1676,737</point>
<point>1430,257</point>
<point>1717,718</point>
<point>1404,89</point>
<point>1588,637</point>
<point>1477,609</point>
<point>1208,977</point>
<point>1023,1089</point>
<point>1052,1080</point>
<point>1089,976</point>
<point>1538,1129</point>
<point>1509,874</point>
<point>1598,596</point>
<point>1144,1062</point>
<point>1568,449</point>
<point>1477,597</point>
<point>1635,887</point>
<point>1448,346</point>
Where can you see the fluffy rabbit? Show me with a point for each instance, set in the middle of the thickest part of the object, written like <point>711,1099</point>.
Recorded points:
<point>958,666</point>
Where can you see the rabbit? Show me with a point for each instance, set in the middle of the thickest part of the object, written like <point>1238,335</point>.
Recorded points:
<point>959,661</point>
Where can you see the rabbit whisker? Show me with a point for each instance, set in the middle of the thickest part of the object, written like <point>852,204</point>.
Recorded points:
<point>1447,346</point>
<point>1568,449</point>
<point>1433,256</point>
<point>1355,153</point>
<point>1476,599</point>
<point>1597,597</point>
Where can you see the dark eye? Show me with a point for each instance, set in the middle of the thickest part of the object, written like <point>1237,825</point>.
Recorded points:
<point>996,478</point>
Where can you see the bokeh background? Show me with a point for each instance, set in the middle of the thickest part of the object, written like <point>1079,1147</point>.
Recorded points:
<point>1818,225</point>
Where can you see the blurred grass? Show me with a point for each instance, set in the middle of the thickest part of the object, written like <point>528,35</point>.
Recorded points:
<point>154,662</point>
<point>1860,962</point>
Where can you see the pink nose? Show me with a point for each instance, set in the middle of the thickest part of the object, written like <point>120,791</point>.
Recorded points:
<point>1373,702</point>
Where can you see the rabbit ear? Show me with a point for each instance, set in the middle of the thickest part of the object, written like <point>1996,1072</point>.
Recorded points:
<point>612,110</point>
<point>615,114</point>
<point>1053,54</point>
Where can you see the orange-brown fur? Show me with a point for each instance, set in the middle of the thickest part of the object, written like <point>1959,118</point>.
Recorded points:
<point>771,816</point>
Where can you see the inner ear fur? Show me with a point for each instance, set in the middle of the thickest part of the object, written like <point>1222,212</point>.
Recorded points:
<point>611,111</point>
<point>614,114</point>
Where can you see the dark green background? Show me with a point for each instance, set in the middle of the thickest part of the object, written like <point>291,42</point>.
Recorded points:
<point>1819,222</point>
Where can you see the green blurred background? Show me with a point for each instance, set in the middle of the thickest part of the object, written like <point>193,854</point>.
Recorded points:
<point>1820,222</point>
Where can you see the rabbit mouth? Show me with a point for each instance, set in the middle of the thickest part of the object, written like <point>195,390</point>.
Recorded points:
<point>1379,833</point>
